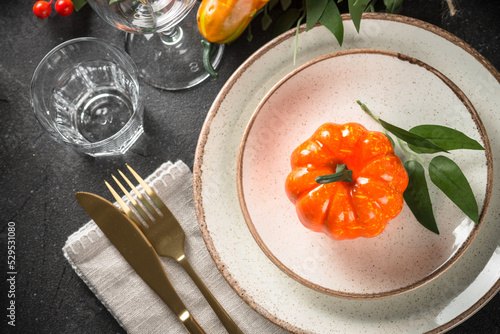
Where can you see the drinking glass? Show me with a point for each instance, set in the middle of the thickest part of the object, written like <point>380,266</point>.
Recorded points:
<point>162,38</point>
<point>85,93</point>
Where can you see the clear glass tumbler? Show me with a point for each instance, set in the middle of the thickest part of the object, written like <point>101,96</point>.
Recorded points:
<point>85,93</point>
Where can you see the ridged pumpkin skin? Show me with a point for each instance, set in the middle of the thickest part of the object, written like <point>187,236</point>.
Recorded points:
<point>347,210</point>
<point>222,21</point>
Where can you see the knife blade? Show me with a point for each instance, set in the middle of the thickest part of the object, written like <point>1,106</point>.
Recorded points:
<point>138,252</point>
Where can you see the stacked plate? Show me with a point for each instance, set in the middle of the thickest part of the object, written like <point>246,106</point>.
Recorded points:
<point>406,279</point>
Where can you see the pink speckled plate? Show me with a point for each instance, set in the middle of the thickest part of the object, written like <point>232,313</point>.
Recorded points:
<point>402,91</point>
<point>435,307</point>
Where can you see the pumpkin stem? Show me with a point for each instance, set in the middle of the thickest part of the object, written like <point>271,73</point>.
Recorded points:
<point>207,53</point>
<point>341,174</point>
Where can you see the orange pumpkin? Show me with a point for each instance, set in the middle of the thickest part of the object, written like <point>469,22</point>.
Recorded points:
<point>357,206</point>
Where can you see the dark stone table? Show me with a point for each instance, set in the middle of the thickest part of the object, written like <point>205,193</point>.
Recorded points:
<point>39,176</point>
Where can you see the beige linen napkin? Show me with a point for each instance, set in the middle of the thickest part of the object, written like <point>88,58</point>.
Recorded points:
<point>133,304</point>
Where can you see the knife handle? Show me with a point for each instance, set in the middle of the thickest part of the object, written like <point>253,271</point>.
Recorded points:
<point>165,291</point>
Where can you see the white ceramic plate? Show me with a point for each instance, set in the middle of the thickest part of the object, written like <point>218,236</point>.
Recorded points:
<point>402,91</point>
<point>438,305</point>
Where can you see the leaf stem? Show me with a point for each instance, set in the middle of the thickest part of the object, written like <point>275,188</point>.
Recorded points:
<point>410,154</point>
<point>299,21</point>
<point>368,111</point>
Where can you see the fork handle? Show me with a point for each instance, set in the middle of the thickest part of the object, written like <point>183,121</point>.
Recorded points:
<point>224,318</point>
<point>192,326</point>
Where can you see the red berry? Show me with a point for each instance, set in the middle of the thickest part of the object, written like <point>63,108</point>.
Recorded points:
<point>64,7</point>
<point>42,9</point>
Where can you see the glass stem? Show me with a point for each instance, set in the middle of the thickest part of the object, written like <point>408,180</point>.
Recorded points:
<point>172,35</point>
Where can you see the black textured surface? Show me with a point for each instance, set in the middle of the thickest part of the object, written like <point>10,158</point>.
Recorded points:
<point>38,177</point>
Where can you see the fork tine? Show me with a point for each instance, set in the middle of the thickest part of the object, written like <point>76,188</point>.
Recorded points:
<point>143,200</point>
<point>154,197</point>
<point>124,206</point>
<point>133,201</point>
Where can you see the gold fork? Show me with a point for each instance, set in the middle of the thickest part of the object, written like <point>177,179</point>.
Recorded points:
<point>166,235</point>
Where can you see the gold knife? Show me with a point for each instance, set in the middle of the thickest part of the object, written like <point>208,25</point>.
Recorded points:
<point>138,252</point>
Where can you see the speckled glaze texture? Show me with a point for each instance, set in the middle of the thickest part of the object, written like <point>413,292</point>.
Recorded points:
<point>402,91</point>
<point>434,307</point>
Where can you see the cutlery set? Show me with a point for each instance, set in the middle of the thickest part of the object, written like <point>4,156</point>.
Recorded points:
<point>144,232</point>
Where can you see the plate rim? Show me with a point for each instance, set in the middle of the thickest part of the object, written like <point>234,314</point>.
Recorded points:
<point>449,261</point>
<point>204,135</point>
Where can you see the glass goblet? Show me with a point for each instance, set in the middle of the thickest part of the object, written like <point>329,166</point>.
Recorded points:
<point>162,39</point>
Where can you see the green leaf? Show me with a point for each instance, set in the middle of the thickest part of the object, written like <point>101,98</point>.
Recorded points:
<point>249,33</point>
<point>314,9</point>
<point>332,20</point>
<point>272,3</point>
<point>78,4</point>
<point>409,137</point>
<point>393,6</point>
<point>285,4</point>
<point>444,137</point>
<point>402,134</point>
<point>356,9</point>
<point>266,20</point>
<point>286,21</point>
<point>417,196</point>
<point>448,177</point>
